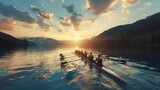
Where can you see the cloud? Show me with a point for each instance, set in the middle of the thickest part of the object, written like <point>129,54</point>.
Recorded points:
<point>12,12</point>
<point>42,17</point>
<point>126,4</point>
<point>124,18</point>
<point>130,2</point>
<point>34,9</point>
<point>7,24</point>
<point>125,11</point>
<point>65,24</point>
<point>44,26</point>
<point>147,4</point>
<point>11,24</point>
<point>60,30</point>
<point>87,20</point>
<point>62,1</point>
<point>43,14</point>
<point>52,0</point>
<point>100,6</point>
<point>65,19</point>
<point>28,25</point>
<point>75,17</point>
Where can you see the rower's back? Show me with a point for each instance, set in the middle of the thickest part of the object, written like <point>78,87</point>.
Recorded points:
<point>85,54</point>
<point>99,61</point>
<point>90,58</point>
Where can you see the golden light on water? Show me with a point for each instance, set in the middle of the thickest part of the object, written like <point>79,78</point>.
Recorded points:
<point>76,48</point>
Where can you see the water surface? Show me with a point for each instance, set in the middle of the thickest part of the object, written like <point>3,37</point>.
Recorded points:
<point>40,69</point>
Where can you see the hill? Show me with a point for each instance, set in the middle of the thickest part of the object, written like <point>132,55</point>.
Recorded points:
<point>142,32</point>
<point>10,42</point>
<point>43,42</point>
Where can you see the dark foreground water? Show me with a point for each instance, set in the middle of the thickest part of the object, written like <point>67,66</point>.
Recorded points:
<point>37,69</point>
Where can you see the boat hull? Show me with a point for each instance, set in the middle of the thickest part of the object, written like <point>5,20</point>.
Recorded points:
<point>111,74</point>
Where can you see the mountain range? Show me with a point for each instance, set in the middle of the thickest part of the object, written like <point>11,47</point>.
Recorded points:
<point>10,42</point>
<point>43,42</point>
<point>142,32</point>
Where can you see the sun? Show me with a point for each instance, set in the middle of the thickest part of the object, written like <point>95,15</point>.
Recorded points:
<point>77,38</point>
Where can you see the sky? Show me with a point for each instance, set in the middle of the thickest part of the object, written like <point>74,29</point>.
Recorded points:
<point>70,19</point>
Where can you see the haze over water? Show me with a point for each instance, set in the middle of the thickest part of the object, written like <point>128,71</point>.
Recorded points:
<point>39,69</point>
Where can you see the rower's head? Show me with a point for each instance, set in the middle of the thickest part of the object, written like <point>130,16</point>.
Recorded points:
<point>90,53</point>
<point>60,54</point>
<point>85,51</point>
<point>99,55</point>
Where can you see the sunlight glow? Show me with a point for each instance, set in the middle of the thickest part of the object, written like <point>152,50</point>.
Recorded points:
<point>77,38</point>
<point>76,48</point>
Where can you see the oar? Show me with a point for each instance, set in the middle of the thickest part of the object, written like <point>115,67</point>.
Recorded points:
<point>70,57</point>
<point>107,57</point>
<point>72,61</point>
<point>68,53</point>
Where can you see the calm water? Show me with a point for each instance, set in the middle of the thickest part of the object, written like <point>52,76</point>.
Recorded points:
<point>39,69</point>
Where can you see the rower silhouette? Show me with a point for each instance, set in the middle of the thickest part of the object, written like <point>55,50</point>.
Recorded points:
<point>63,62</point>
<point>99,61</point>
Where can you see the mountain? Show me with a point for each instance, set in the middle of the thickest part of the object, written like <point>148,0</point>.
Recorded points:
<point>10,42</point>
<point>142,32</point>
<point>43,42</point>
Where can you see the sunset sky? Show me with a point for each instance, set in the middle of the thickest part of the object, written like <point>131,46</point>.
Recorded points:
<point>70,19</point>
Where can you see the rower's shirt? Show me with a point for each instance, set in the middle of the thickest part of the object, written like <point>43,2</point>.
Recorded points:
<point>99,61</point>
<point>62,59</point>
<point>90,58</point>
<point>85,55</point>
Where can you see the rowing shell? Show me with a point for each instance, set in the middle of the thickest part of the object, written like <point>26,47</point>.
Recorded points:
<point>109,73</point>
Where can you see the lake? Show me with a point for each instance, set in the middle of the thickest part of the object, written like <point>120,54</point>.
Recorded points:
<point>40,69</point>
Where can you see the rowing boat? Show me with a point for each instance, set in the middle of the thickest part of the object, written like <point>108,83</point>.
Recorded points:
<point>109,73</point>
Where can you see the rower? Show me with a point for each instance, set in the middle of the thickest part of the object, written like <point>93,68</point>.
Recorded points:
<point>76,52</point>
<point>90,58</point>
<point>99,61</point>
<point>62,57</point>
<point>85,55</point>
<point>81,54</point>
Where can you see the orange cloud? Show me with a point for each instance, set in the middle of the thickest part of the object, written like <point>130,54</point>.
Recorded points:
<point>7,24</point>
<point>126,4</point>
<point>130,2</point>
<point>28,25</point>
